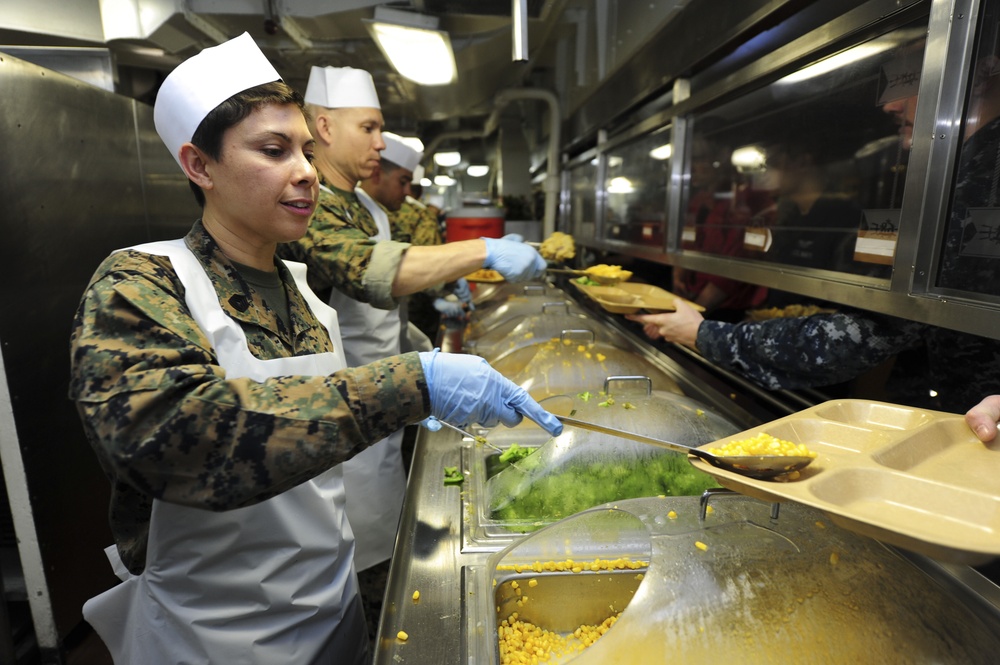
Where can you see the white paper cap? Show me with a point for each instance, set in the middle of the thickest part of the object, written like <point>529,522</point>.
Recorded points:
<point>341,87</point>
<point>400,154</point>
<point>202,82</point>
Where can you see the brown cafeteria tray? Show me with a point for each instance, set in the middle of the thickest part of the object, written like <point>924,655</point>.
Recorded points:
<point>913,478</point>
<point>630,297</point>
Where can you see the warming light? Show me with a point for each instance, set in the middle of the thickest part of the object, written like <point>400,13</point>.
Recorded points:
<point>663,152</point>
<point>620,185</point>
<point>749,159</point>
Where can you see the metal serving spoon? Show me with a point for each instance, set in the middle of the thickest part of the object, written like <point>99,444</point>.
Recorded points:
<point>757,466</point>
<point>603,280</point>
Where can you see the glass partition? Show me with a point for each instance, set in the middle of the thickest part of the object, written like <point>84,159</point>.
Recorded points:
<point>970,259</point>
<point>808,171</point>
<point>583,199</point>
<point>638,174</point>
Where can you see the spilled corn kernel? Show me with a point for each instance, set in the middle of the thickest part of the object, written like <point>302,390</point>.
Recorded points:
<point>700,545</point>
<point>416,595</point>
<point>402,636</point>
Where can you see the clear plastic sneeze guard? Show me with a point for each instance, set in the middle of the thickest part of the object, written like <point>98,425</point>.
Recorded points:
<point>739,586</point>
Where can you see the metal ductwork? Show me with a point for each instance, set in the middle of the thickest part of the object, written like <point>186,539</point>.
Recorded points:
<point>551,186</point>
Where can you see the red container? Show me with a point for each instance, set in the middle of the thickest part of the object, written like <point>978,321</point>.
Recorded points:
<point>471,223</point>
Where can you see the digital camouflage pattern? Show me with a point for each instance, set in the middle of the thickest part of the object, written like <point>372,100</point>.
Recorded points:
<point>826,349</point>
<point>976,187</point>
<point>340,253</point>
<point>164,421</point>
<point>415,225</point>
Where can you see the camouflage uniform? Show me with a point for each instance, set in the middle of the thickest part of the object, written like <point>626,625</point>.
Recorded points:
<point>418,226</point>
<point>976,186</point>
<point>415,225</point>
<point>827,349</point>
<point>165,422</point>
<point>341,254</point>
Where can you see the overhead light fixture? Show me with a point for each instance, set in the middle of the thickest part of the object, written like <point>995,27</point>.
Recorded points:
<point>663,152</point>
<point>477,170</point>
<point>426,182</point>
<point>447,159</point>
<point>444,180</point>
<point>413,45</point>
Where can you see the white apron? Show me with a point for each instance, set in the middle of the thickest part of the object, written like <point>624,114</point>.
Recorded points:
<point>374,479</point>
<point>268,584</point>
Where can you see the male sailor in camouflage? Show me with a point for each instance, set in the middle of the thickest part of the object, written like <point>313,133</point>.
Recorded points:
<point>389,186</point>
<point>364,273</point>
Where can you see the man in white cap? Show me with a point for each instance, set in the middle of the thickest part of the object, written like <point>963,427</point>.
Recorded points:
<point>389,185</point>
<point>351,256</point>
<point>211,384</point>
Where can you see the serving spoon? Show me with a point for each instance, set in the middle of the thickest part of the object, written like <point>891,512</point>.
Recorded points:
<point>761,467</point>
<point>603,280</point>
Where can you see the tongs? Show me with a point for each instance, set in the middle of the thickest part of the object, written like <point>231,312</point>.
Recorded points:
<point>756,466</point>
<point>477,439</point>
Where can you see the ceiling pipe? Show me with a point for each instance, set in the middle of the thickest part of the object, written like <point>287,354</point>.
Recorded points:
<point>519,24</point>
<point>461,134</point>
<point>551,186</point>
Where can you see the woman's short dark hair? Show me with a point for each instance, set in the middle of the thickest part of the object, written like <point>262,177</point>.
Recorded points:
<point>208,136</point>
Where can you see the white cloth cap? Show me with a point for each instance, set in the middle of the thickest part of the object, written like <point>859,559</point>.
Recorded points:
<point>202,82</point>
<point>418,173</point>
<point>400,154</point>
<point>341,87</point>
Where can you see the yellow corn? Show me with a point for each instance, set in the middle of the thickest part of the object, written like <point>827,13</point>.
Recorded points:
<point>700,545</point>
<point>402,636</point>
<point>762,444</point>
<point>416,595</point>
<point>523,642</point>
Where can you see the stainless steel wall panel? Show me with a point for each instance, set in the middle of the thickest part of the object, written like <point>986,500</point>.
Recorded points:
<point>170,206</point>
<point>73,190</point>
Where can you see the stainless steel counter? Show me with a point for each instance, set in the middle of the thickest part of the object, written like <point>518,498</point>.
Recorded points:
<point>428,559</point>
<point>438,552</point>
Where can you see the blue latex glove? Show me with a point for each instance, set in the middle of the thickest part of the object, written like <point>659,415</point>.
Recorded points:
<point>449,309</point>
<point>464,389</point>
<point>514,237</point>
<point>464,293</point>
<point>516,261</point>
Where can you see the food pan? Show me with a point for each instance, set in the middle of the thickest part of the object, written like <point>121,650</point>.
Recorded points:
<point>741,586</point>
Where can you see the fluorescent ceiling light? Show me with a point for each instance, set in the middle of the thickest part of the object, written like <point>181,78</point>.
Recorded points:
<point>663,152</point>
<point>447,159</point>
<point>444,180</point>
<point>413,45</point>
<point>426,182</point>
<point>477,170</point>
